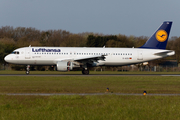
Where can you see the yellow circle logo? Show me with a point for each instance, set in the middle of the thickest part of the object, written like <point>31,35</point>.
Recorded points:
<point>161,35</point>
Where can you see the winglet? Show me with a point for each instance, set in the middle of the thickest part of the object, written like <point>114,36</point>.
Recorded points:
<point>159,39</point>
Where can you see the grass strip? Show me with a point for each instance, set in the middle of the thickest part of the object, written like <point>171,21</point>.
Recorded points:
<point>90,84</point>
<point>89,107</point>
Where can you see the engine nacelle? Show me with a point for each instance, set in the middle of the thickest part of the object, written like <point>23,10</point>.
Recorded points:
<point>64,66</point>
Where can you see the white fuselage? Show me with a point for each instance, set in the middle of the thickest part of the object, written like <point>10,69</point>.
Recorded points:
<point>113,56</point>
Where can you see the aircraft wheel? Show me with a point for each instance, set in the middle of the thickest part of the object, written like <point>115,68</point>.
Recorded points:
<point>85,72</point>
<point>27,72</point>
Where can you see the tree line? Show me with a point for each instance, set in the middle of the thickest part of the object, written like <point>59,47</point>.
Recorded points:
<point>12,38</point>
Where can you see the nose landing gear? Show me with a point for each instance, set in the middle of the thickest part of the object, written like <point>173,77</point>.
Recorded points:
<point>27,69</point>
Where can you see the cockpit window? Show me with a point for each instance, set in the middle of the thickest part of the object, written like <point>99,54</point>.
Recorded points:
<point>15,52</point>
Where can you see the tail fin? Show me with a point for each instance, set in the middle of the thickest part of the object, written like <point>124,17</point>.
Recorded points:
<point>159,39</point>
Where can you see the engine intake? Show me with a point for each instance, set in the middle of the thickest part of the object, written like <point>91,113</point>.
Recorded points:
<point>64,66</point>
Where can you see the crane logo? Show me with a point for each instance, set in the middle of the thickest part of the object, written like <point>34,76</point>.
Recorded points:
<point>161,35</point>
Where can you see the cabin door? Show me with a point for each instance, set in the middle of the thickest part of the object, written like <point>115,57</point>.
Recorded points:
<point>140,55</point>
<point>27,53</point>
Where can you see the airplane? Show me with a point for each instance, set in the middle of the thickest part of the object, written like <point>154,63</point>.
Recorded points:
<point>67,58</point>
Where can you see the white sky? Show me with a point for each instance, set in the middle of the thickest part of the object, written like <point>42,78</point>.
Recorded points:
<point>129,17</point>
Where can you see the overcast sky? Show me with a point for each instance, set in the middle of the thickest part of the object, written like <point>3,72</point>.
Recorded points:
<point>129,17</point>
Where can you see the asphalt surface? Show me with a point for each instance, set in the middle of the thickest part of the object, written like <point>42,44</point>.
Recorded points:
<point>90,75</point>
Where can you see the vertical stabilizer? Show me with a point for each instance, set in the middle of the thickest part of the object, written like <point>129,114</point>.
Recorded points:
<point>159,39</point>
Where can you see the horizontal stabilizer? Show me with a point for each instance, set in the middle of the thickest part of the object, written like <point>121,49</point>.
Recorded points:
<point>164,53</point>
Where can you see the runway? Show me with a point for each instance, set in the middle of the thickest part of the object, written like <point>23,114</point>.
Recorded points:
<point>59,75</point>
<point>86,94</point>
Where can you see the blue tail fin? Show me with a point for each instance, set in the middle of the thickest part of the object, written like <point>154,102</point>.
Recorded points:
<point>159,39</point>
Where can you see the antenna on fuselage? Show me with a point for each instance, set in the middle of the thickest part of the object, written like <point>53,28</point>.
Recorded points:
<point>29,45</point>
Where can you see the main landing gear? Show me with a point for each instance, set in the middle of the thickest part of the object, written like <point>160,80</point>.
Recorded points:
<point>27,69</point>
<point>85,71</point>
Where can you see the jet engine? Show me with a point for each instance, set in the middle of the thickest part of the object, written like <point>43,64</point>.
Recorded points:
<point>64,66</point>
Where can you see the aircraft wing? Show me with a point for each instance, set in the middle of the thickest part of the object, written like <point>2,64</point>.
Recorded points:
<point>90,59</point>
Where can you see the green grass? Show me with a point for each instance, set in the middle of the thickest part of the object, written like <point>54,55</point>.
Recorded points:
<point>94,107</point>
<point>76,107</point>
<point>89,84</point>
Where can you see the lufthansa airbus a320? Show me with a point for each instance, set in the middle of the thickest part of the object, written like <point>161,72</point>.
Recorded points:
<point>67,58</point>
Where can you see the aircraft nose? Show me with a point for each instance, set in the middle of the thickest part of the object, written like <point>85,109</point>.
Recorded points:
<point>7,58</point>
